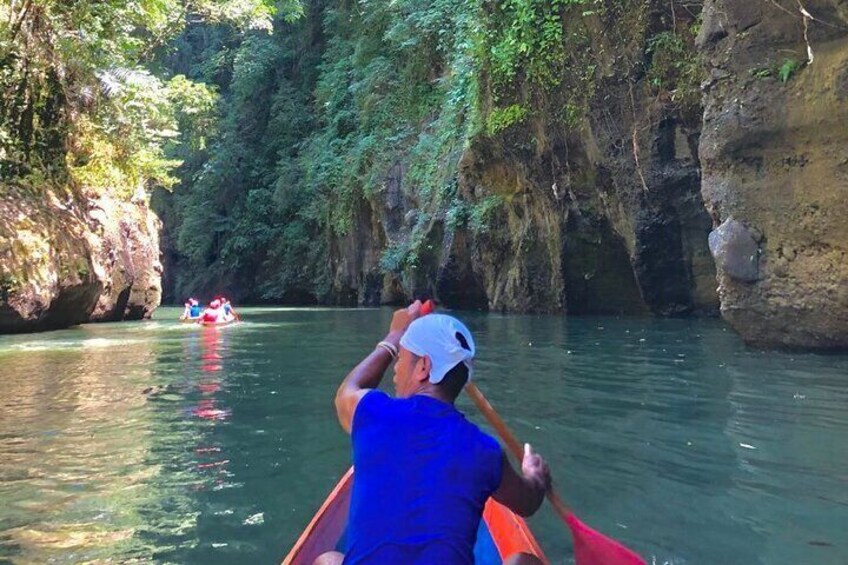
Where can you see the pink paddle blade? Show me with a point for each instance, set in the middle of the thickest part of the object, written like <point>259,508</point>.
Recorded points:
<point>594,548</point>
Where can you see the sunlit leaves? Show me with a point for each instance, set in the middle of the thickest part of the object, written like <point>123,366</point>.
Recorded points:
<point>77,75</point>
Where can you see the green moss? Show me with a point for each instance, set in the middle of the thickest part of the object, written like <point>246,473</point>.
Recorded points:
<point>675,68</point>
<point>502,118</point>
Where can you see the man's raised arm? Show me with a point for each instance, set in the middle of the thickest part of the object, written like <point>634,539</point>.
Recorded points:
<point>369,372</point>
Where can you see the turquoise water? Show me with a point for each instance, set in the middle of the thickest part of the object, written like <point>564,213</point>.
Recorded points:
<point>174,443</point>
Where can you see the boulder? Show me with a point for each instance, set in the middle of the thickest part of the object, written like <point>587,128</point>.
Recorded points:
<point>735,250</point>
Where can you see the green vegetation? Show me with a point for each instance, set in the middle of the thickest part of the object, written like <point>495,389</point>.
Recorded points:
<point>761,72</point>
<point>784,71</point>
<point>364,102</point>
<point>675,70</point>
<point>481,214</point>
<point>787,69</point>
<point>351,103</point>
<point>502,118</point>
<point>80,105</point>
<point>527,49</point>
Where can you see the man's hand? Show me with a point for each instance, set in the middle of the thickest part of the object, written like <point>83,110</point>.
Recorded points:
<point>401,320</point>
<point>535,469</point>
<point>524,493</point>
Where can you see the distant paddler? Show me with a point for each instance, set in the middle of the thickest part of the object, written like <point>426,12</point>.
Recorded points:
<point>213,313</point>
<point>229,312</point>
<point>219,313</point>
<point>192,310</point>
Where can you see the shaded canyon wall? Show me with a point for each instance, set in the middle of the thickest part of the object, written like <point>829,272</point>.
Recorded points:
<point>602,216</point>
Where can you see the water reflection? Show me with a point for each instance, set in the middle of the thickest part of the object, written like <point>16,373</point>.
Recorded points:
<point>74,437</point>
<point>210,458</point>
<point>211,375</point>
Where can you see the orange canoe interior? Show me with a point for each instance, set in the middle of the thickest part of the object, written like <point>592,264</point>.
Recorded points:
<point>501,533</point>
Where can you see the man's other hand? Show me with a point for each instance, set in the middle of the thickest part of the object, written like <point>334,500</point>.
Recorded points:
<point>535,469</point>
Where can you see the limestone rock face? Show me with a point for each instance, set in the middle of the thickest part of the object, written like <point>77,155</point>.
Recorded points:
<point>605,220</point>
<point>65,260</point>
<point>774,157</point>
<point>127,249</point>
<point>580,227</point>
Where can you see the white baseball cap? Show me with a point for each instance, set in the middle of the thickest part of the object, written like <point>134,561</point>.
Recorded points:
<point>440,337</point>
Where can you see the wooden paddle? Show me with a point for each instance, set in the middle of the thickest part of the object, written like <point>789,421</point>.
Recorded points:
<point>590,546</point>
<point>512,443</point>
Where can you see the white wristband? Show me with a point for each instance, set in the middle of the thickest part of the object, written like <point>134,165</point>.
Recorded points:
<point>390,347</point>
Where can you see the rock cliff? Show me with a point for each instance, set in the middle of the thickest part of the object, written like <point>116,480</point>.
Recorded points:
<point>774,157</point>
<point>619,213</point>
<point>65,259</point>
<point>602,215</point>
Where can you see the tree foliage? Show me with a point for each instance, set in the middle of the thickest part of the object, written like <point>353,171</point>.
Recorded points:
<point>80,102</point>
<point>312,120</point>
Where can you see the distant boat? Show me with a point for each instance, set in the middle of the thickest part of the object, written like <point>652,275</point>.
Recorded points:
<point>501,533</point>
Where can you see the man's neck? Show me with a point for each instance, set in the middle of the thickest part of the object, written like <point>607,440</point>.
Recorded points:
<point>431,390</point>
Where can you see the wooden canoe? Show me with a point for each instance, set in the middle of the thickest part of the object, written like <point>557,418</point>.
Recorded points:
<point>501,533</point>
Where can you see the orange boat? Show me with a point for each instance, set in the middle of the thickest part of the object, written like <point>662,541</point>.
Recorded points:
<point>501,533</point>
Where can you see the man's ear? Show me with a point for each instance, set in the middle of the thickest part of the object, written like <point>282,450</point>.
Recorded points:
<point>422,369</point>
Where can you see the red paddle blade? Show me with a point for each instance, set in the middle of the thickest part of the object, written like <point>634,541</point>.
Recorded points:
<point>428,307</point>
<point>594,548</point>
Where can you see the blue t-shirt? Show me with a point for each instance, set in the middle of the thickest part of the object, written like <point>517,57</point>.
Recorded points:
<point>194,310</point>
<point>422,475</point>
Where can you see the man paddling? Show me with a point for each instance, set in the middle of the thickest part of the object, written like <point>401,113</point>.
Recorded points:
<point>423,472</point>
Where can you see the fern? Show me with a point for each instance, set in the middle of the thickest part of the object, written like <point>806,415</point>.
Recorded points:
<point>787,69</point>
